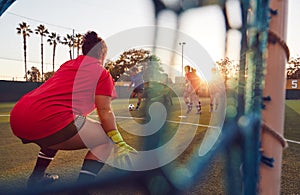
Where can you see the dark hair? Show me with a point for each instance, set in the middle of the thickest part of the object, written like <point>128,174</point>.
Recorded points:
<point>187,67</point>
<point>93,45</point>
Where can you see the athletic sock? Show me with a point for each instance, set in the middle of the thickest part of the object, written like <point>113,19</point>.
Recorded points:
<point>198,107</point>
<point>44,158</point>
<point>89,170</point>
<point>190,106</point>
<point>137,106</point>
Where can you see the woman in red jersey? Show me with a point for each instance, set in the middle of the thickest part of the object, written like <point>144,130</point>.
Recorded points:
<point>54,115</point>
<point>192,89</point>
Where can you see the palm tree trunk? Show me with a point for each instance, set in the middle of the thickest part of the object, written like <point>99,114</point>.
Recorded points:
<point>53,57</point>
<point>42,60</point>
<point>70,51</point>
<point>25,60</point>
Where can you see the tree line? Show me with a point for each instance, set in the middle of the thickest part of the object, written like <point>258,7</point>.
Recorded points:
<point>119,68</point>
<point>228,69</point>
<point>72,41</point>
<point>293,71</point>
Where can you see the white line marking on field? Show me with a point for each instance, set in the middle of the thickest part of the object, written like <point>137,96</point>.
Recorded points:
<point>177,122</point>
<point>123,117</point>
<point>193,124</point>
<point>182,116</point>
<point>292,141</point>
<point>129,117</point>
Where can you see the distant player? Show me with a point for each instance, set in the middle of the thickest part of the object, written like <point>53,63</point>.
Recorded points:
<point>137,82</point>
<point>195,82</point>
<point>192,89</point>
<point>187,89</point>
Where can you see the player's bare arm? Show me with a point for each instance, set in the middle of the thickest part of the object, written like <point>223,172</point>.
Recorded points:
<point>105,112</point>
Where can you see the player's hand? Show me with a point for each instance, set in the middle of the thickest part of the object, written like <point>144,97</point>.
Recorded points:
<point>116,137</point>
<point>122,151</point>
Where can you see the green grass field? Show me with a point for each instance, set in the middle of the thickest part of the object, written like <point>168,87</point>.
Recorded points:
<point>17,160</point>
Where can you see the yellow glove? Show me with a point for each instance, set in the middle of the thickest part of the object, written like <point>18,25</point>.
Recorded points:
<point>116,137</point>
<point>122,160</point>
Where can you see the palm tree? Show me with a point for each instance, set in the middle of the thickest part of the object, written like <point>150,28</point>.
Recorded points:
<point>48,75</point>
<point>25,31</point>
<point>43,31</point>
<point>128,59</point>
<point>78,42</point>
<point>53,39</point>
<point>69,41</point>
<point>34,74</point>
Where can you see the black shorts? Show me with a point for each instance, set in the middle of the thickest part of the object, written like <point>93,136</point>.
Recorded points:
<point>63,135</point>
<point>138,90</point>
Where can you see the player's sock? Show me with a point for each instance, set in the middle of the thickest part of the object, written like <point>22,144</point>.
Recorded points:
<point>198,108</point>
<point>89,170</point>
<point>216,107</point>
<point>137,106</point>
<point>44,158</point>
<point>190,106</point>
<point>211,108</point>
<point>38,177</point>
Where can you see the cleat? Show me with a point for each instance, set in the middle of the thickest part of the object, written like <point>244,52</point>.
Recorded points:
<point>40,181</point>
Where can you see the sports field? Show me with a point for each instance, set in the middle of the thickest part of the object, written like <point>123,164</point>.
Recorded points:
<point>17,160</point>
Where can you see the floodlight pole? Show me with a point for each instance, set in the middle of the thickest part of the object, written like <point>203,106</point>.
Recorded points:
<point>182,44</point>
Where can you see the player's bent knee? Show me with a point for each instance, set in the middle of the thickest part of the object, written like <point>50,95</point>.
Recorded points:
<point>92,134</point>
<point>102,152</point>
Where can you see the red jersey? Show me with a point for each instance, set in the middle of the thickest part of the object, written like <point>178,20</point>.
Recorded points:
<point>70,91</point>
<point>194,80</point>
